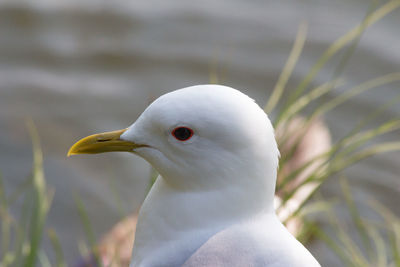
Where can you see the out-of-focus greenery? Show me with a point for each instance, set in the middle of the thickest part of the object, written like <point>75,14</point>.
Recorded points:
<point>352,147</point>
<point>375,242</point>
<point>21,235</point>
<point>348,150</point>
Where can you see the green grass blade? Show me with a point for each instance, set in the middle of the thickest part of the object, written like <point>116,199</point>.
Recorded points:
<point>347,55</point>
<point>41,204</point>
<point>302,131</point>
<point>358,258</point>
<point>288,68</point>
<point>374,83</point>
<point>304,100</point>
<point>368,152</point>
<point>295,173</point>
<point>55,242</point>
<point>380,256</point>
<point>337,166</point>
<point>348,144</point>
<point>348,246</point>
<point>20,231</point>
<point>3,196</point>
<point>5,235</point>
<point>43,259</point>
<point>355,215</point>
<point>371,84</point>
<point>334,246</point>
<point>346,138</point>
<point>5,222</point>
<point>318,206</point>
<point>393,226</point>
<point>342,42</point>
<point>356,141</point>
<point>395,243</point>
<point>88,229</point>
<point>371,116</point>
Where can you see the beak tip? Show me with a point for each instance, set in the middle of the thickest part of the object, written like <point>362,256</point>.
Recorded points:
<point>99,143</point>
<point>71,152</point>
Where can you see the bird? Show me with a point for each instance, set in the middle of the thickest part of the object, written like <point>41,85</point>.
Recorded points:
<point>213,202</point>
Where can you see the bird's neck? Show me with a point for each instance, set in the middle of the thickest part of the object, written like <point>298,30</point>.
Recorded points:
<point>179,222</point>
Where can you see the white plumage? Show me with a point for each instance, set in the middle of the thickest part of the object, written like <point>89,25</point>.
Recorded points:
<point>212,204</point>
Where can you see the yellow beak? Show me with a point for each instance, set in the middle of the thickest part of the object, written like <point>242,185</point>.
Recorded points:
<point>103,142</point>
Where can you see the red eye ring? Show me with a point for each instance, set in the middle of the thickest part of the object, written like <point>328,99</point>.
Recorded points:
<point>182,133</point>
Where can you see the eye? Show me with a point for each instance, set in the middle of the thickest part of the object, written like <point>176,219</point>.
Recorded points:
<point>182,133</point>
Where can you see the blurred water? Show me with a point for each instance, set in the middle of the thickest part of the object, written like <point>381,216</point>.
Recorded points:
<point>79,67</point>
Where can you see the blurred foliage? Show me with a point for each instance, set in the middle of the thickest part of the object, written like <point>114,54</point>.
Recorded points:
<point>358,144</point>
<point>22,236</point>
<point>375,242</point>
<point>351,148</point>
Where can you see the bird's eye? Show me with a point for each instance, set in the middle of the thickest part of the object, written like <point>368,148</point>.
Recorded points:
<point>182,133</point>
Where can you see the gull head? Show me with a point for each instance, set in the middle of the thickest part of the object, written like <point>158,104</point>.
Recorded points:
<point>199,138</point>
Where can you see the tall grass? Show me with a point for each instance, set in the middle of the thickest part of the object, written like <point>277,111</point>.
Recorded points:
<point>21,237</point>
<point>352,147</point>
<point>379,238</point>
<point>358,144</point>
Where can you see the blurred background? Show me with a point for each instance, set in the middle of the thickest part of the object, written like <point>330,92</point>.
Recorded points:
<point>82,67</point>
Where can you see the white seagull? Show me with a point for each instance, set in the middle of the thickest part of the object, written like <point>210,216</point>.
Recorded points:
<point>212,204</point>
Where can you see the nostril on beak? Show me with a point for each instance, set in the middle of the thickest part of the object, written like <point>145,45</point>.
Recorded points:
<point>103,140</point>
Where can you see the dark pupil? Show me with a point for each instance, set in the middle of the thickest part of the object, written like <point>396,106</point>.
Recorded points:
<point>182,133</point>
